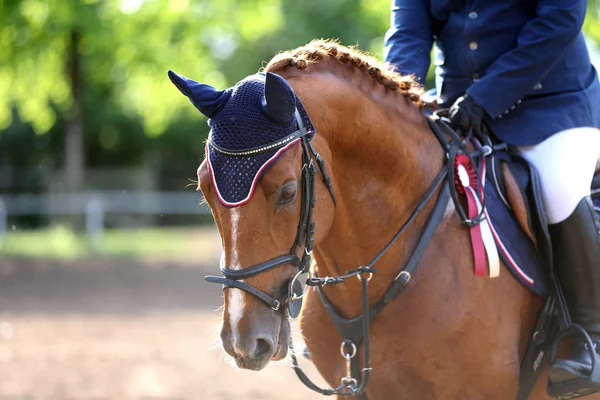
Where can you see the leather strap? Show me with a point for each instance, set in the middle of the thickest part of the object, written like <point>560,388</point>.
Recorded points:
<point>262,267</point>
<point>232,283</point>
<point>431,226</point>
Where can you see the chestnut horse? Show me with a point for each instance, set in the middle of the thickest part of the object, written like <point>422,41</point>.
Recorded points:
<point>449,335</point>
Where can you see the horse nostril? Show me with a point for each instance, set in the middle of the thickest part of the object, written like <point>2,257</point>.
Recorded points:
<point>263,348</point>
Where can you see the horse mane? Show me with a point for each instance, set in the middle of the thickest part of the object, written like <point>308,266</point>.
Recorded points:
<point>317,50</point>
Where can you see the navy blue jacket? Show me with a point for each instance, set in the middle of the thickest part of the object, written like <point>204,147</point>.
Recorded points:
<point>524,61</point>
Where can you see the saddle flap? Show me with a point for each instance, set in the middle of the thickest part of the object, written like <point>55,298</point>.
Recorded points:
<point>519,182</point>
<point>516,196</point>
<point>515,219</point>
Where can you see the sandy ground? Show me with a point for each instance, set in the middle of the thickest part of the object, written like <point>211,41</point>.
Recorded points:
<point>99,329</point>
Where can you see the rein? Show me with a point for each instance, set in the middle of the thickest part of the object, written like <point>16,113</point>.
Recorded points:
<point>356,330</point>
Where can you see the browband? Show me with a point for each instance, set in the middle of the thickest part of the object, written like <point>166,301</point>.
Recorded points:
<point>277,144</point>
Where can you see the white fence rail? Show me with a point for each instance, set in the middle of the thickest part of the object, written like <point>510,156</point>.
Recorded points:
<point>119,202</point>
<point>95,205</point>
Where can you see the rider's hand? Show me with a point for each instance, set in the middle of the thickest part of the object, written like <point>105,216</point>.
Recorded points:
<point>465,113</point>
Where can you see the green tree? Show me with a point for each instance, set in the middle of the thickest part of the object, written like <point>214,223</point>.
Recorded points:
<point>591,26</point>
<point>55,51</point>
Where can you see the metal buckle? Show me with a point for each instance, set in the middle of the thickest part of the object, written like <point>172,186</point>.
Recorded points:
<point>475,221</point>
<point>587,346</point>
<point>405,273</point>
<point>359,276</point>
<point>486,150</point>
<point>307,165</point>
<point>277,305</point>
<point>349,381</point>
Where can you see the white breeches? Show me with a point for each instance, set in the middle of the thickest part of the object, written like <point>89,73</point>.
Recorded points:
<point>566,163</point>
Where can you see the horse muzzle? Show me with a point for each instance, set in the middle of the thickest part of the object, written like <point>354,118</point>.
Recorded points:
<point>256,340</point>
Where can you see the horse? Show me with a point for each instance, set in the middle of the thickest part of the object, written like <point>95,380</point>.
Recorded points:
<point>449,334</point>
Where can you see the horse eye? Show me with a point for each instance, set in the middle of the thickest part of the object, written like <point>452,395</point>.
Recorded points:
<point>287,194</point>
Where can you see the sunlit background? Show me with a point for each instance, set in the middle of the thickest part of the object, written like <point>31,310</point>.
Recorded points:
<point>103,243</point>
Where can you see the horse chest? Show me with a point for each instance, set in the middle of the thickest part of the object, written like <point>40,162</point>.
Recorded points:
<point>420,355</point>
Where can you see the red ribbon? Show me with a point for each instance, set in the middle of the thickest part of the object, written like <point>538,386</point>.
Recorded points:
<point>465,179</point>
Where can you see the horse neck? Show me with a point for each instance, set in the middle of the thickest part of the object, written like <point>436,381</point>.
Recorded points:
<point>382,161</point>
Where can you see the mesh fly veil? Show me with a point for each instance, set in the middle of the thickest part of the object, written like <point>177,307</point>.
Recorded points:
<point>245,121</point>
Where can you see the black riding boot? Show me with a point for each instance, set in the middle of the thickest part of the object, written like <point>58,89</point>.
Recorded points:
<point>576,243</point>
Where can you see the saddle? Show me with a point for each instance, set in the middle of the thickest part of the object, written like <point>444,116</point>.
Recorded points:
<point>520,189</point>
<point>517,183</point>
<point>515,215</point>
<point>516,209</point>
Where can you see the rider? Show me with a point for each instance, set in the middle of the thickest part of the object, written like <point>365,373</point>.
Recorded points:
<point>522,67</point>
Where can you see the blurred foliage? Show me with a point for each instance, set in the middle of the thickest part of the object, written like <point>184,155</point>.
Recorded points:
<point>131,110</point>
<point>126,46</point>
<point>592,23</point>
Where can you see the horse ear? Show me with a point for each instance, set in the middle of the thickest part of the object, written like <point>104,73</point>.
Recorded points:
<point>208,100</point>
<point>279,101</point>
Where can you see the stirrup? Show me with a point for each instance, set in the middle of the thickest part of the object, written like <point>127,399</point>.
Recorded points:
<point>582,386</point>
<point>572,389</point>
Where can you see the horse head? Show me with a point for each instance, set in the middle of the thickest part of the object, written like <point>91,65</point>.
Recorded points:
<point>252,180</point>
<point>262,177</point>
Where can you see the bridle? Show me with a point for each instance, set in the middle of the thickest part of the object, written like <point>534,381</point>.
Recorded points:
<point>356,330</point>
<point>304,236</point>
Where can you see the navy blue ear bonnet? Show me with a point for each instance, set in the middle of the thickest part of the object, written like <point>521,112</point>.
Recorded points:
<point>252,125</point>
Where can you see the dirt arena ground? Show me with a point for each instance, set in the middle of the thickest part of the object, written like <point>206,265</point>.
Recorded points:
<point>102,329</point>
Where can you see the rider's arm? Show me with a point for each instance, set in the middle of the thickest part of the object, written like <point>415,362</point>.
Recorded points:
<point>408,41</point>
<point>540,45</point>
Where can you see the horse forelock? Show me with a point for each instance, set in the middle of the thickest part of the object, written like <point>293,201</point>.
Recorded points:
<point>320,50</point>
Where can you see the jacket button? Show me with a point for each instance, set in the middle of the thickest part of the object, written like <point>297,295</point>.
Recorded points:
<point>473,45</point>
<point>473,15</point>
<point>475,77</point>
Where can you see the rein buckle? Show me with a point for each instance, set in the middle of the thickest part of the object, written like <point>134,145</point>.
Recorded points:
<point>276,306</point>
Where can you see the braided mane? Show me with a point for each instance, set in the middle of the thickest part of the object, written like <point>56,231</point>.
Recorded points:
<point>311,53</point>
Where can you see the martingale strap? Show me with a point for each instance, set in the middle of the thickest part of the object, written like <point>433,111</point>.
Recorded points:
<point>356,330</point>
<point>349,384</point>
